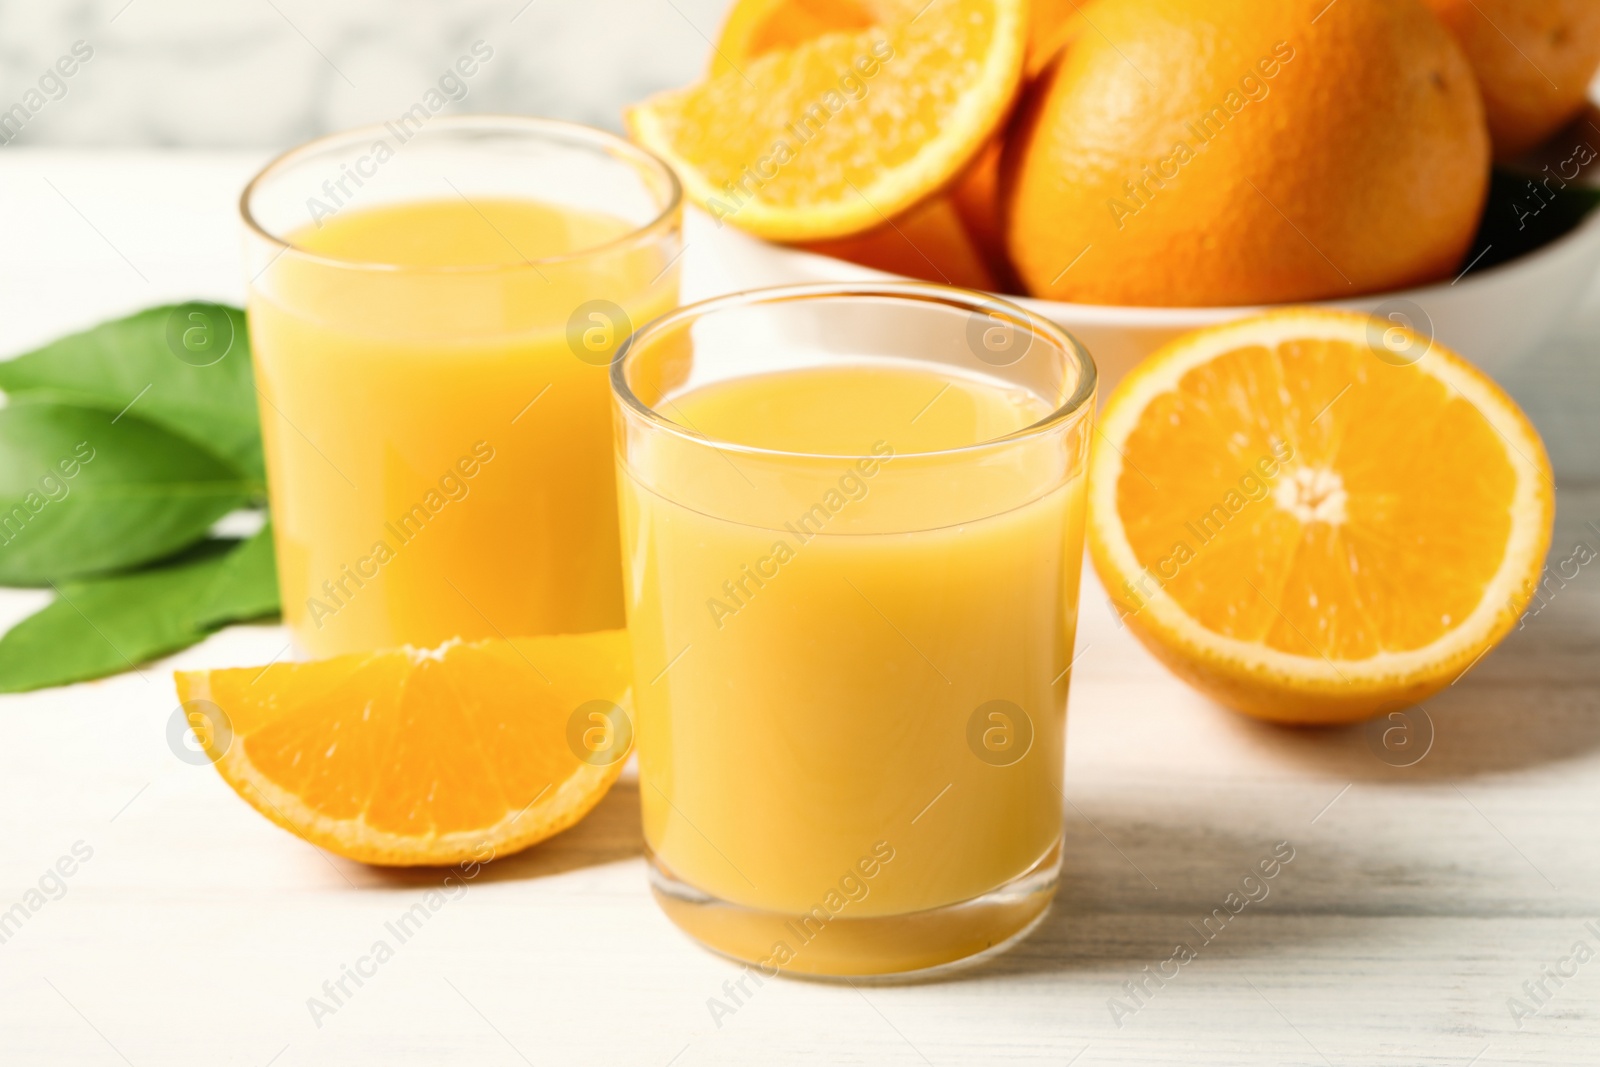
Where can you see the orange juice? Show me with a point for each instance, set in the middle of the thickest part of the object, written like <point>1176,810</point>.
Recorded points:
<point>852,622</point>
<point>435,417</point>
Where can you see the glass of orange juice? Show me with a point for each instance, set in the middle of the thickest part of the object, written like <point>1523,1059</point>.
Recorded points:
<point>852,525</point>
<point>432,310</point>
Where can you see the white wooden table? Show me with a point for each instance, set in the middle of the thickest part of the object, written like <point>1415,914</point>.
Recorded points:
<point>1419,901</point>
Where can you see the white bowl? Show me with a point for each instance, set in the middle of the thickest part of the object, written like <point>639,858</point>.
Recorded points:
<point>1494,317</point>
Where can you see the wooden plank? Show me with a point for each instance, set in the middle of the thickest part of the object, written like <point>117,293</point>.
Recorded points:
<point>1419,900</point>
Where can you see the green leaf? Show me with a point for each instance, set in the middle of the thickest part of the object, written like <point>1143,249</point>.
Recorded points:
<point>246,586</point>
<point>108,625</point>
<point>83,492</point>
<point>184,367</point>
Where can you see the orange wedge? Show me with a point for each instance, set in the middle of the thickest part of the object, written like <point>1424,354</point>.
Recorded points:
<point>840,132</point>
<point>407,757</point>
<point>1316,516</point>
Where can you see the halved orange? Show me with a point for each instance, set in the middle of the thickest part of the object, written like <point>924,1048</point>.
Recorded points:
<point>755,27</point>
<point>839,132</point>
<point>972,256</point>
<point>408,757</point>
<point>1317,516</point>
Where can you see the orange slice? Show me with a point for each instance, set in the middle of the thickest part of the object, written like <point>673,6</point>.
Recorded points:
<point>839,132</point>
<point>407,757</point>
<point>1317,516</point>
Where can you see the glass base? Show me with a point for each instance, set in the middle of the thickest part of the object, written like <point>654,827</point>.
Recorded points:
<point>912,945</point>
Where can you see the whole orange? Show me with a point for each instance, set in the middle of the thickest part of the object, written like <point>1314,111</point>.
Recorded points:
<point>1533,59</point>
<point>1216,152</point>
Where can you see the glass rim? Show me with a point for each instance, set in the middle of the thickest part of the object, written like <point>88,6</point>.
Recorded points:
<point>924,292</point>
<point>571,132</point>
